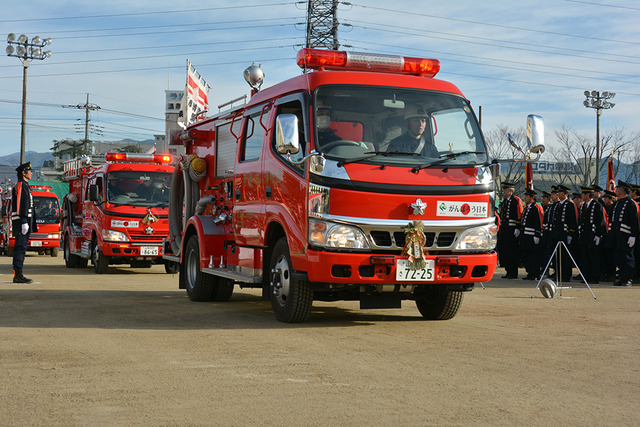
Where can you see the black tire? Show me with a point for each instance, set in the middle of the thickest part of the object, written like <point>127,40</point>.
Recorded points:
<point>54,252</point>
<point>439,305</point>
<point>223,289</point>
<point>291,299</point>
<point>199,286</point>
<point>82,262</point>
<point>70,260</point>
<point>100,260</point>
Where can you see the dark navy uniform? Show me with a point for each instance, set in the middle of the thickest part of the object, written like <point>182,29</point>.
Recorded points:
<point>592,228</point>
<point>23,217</point>
<point>608,254</point>
<point>510,213</point>
<point>565,229</point>
<point>530,241</point>
<point>625,229</point>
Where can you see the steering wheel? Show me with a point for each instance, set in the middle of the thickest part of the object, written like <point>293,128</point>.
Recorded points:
<point>329,146</point>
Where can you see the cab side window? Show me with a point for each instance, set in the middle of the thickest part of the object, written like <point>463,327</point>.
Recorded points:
<point>295,107</point>
<point>252,137</point>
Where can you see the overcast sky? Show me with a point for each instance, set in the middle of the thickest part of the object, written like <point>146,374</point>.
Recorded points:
<point>510,57</point>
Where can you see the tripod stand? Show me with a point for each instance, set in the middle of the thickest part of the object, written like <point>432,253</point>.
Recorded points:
<point>558,269</point>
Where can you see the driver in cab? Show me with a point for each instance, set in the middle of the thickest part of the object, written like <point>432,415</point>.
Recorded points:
<point>414,140</point>
<point>323,120</point>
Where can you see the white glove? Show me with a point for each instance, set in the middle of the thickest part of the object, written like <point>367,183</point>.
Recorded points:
<point>536,240</point>
<point>516,232</point>
<point>631,241</point>
<point>596,240</point>
<point>569,238</point>
<point>25,228</point>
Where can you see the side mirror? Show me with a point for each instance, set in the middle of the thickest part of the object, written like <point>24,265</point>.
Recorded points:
<point>287,141</point>
<point>93,193</point>
<point>535,134</point>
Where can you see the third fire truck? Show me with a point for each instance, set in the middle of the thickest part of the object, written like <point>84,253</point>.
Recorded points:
<point>301,192</point>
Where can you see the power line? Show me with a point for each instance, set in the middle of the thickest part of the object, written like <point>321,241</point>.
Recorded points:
<point>112,15</point>
<point>507,27</point>
<point>604,5</point>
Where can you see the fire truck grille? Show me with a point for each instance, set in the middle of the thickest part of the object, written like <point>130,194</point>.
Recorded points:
<point>396,240</point>
<point>140,236</point>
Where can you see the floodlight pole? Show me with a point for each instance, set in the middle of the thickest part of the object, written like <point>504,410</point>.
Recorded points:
<point>26,50</point>
<point>598,101</point>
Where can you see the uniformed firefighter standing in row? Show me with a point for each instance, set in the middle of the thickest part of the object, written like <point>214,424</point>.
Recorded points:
<point>23,220</point>
<point>510,213</point>
<point>531,236</point>
<point>635,196</point>
<point>625,230</point>
<point>608,254</point>
<point>564,228</point>
<point>593,224</point>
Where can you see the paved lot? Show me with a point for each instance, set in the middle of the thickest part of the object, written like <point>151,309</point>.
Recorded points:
<point>128,348</point>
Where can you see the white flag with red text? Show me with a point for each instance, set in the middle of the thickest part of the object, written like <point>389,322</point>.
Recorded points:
<point>195,101</point>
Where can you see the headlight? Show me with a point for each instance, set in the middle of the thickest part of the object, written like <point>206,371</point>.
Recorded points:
<point>53,236</point>
<point>331,235</point>
<point>114,236</point>
<point>479,238</point>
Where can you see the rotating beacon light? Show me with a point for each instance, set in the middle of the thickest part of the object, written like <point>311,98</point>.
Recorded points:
<point>318,59</point>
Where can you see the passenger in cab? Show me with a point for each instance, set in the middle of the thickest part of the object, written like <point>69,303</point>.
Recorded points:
<point>415,139</point>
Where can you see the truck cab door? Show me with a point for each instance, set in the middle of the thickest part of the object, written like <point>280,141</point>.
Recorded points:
<point>249,186</point>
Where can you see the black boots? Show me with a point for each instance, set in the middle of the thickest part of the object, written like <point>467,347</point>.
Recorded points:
<point>19,278</point>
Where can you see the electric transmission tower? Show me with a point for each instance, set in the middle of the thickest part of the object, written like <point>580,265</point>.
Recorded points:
<point>322,24</point>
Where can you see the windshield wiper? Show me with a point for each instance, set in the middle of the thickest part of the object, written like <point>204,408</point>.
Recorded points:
<point>447,157</point>
<point>371,154</point>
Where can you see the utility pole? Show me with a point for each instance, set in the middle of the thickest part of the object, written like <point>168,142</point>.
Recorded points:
<point>322,24</point>
<point>86,107</point>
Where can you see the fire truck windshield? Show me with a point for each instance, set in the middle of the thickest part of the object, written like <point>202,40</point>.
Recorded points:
<point>47,209</point>
<point>138,188</point>
<point>396,126</point>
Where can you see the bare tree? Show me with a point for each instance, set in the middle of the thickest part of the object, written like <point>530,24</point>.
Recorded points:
<point>499,148</point>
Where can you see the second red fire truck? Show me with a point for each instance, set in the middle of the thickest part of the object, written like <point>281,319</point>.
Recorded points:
<point>116,211</point>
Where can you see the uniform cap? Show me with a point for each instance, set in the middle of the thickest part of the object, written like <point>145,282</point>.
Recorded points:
<point>530,192</point>
<point>586,189</point>
<point>563,188</point>
<point>554,189</point>
<point>624,185</point>
<point>415,110</point>
<point>596,187</point>
<point>545,194</point>
<point>610,194</point>
<point>508,185</point>
<point>24,167</point>
<point>576,195</point>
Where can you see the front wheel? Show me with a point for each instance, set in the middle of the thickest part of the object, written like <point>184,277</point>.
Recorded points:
<point>439,305</point>
<point>70,260</point>
<point>200,286</point>
<point>54,252</point>
<point>100,260</point>
<point>291,299</point>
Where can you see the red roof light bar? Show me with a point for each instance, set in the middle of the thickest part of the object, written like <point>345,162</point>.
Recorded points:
<point>319,59</point>
<point>138,158</point>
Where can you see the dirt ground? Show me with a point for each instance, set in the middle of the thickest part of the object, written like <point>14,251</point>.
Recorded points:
<point>129,348</point>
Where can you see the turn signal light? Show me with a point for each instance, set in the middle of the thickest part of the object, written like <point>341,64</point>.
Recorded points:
<point>319,59</point>
<point>447,260</point>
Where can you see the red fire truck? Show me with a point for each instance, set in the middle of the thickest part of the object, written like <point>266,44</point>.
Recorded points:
<point>312,190</point>
<point>116,210</point>
<point>47,208</point>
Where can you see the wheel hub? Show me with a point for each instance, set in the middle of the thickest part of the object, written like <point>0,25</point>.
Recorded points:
<point>280,281</point>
